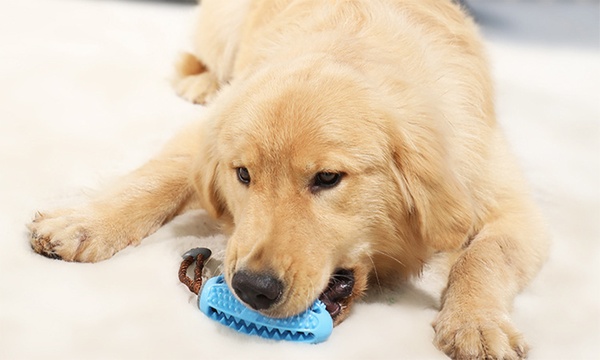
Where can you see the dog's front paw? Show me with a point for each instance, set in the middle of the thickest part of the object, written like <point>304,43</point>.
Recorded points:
<point>478,335</point>
<point>73,235</point>
<point>197,89</point>
<point>193,81</point>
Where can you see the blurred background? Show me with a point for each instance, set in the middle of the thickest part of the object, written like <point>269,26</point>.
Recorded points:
<point>549,22</point>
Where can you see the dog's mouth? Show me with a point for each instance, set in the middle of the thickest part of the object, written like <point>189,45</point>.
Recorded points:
<point>336,295</point>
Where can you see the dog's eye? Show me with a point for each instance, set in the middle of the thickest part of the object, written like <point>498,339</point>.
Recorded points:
<point>326,180</point>
<point>243,175</point>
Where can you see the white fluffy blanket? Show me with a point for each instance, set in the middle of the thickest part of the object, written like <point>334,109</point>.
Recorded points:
<point>84,97</point>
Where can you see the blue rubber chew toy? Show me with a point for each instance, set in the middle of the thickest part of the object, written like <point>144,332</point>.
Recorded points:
<point>215,299</point>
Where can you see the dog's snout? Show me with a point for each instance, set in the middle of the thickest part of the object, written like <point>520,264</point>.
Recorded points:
<point>259,291</point>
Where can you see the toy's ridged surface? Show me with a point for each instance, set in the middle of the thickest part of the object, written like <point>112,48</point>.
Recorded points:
<point>216,300</point>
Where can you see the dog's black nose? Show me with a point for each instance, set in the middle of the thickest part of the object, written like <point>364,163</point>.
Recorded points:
<point>259,291</point>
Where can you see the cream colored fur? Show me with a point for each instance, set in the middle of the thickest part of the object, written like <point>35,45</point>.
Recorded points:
<point>394,95</point>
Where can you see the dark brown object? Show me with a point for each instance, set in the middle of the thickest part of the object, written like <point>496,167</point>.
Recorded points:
<point>195,284</point>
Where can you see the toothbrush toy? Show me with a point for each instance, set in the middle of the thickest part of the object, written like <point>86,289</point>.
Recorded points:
<point>215,299</point>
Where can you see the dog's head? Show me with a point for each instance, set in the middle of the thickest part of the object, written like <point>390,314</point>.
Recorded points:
<point>323,186</point>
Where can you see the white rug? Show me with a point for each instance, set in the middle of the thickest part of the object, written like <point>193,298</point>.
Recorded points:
<point>78,79</point>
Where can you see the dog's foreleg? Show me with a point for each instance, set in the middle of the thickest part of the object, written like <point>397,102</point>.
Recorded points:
<point>474,319</point>
<point>123,214</point>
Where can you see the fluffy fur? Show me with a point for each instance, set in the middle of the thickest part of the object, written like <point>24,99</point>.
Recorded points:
<point>395,96</point>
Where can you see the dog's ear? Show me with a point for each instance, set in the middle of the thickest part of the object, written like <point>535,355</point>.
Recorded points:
<point>438,204</point>
<point>204,178</point>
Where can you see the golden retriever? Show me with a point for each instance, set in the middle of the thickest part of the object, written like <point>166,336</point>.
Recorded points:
<point>345,143</point>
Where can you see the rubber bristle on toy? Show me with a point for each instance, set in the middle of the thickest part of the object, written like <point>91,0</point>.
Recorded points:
<point>216,300</point>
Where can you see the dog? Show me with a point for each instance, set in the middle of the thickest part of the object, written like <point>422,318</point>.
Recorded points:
<point>345,144</point>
